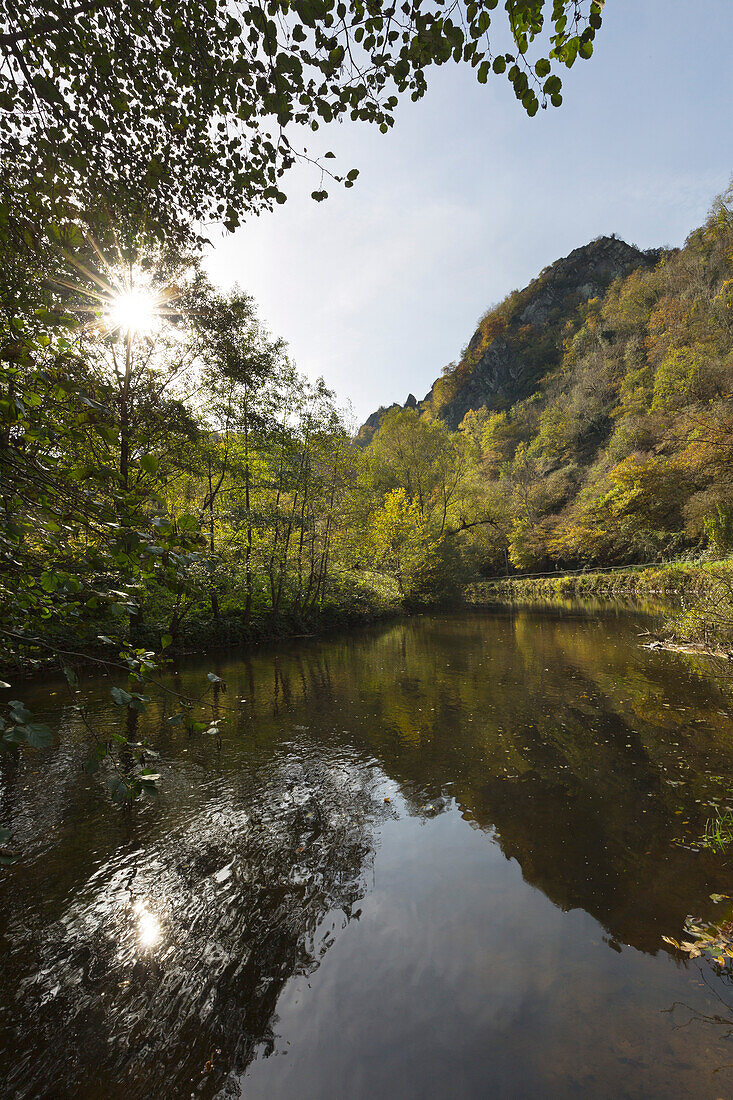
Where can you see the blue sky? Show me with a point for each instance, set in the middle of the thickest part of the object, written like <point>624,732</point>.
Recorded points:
<point>380,286</point>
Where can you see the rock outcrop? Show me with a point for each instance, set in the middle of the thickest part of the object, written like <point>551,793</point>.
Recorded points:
<point>521,340</point>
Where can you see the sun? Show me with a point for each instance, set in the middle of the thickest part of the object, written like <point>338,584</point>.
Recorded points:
<point>125,299</point>
<point>133,310</point>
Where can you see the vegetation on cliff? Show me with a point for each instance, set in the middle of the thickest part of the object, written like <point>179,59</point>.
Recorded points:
<point>600,433</point>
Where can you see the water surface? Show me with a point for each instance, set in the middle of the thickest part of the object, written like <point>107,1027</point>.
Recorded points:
<point>433,858</point>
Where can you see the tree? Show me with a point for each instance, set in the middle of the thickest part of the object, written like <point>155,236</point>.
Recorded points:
<point>399,539</point>
<point>241,376</point>
<point>423,457</point>
<point>166,112</point>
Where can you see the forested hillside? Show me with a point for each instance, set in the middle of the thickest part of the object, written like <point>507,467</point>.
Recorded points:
<point>175,478</point>
<point>593,410</point>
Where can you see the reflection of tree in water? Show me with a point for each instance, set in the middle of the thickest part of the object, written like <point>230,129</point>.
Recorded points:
<point>586,759</point>
<point>710,945</point>
<point>162,975</point>
<point>586,756</point>
<point>721,1022</point>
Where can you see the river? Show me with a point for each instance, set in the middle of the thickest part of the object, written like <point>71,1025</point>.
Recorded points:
<point>433,858</point>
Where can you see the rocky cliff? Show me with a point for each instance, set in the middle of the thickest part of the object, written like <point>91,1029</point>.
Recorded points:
<point>520,340</point>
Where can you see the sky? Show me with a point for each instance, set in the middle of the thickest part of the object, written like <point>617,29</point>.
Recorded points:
<point>380,286</point>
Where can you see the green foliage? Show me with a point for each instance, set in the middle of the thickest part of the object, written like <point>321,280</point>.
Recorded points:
<point>622,453</point>
<point>17,727</point>
<point>167,118</point>
<point>421,493</point>
<point>615,444</point>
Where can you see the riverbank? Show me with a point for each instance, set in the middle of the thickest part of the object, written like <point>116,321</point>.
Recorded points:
<point>696,598</point>
<point>200,632</point>
<point>679,579</point>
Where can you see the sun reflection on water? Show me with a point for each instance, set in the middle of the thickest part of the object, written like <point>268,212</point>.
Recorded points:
<point>148,926</point>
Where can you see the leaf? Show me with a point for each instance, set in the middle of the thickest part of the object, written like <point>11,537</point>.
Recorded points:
<point>49,582</point>
<point>149,463</point>
<point>120,789</point>
<point>166,641</point>
<point>121,697</point>
<point>71,678</point>
<point>38,735</point>
<point>718,897</point>
<point>19,711</point>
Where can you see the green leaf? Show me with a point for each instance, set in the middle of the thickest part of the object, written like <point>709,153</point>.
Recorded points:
<point>71,678</point>
<point>120,789</point>
<point>19,711</point>
<point>149,463</point>
<point>121,697</point>
<point>38,735</point>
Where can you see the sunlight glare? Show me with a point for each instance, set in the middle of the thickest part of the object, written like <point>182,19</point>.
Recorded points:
<point>148,926</point>
<point>134,310</point>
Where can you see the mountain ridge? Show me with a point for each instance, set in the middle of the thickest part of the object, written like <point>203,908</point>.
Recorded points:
<point>520,340</point>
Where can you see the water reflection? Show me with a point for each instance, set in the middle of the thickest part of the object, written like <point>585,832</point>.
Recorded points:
<point>546,780</point>
<point>148,926</point>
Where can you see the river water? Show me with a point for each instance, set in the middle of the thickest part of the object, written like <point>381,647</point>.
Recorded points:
<point>433,858</point>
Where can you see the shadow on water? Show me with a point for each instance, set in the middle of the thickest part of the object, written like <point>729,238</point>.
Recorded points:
<point>435,855</point>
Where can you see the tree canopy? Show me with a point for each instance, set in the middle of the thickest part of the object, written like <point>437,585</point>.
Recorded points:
<point>181,110</point>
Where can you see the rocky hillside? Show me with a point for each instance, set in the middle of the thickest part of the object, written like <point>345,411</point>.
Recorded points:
<point>519,341</point>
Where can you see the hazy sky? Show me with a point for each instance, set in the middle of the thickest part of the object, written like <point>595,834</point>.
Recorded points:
<point>380,286</point>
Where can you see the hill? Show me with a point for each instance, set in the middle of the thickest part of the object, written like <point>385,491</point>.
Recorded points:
<point>589,418</point>
<point>518,341</point>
